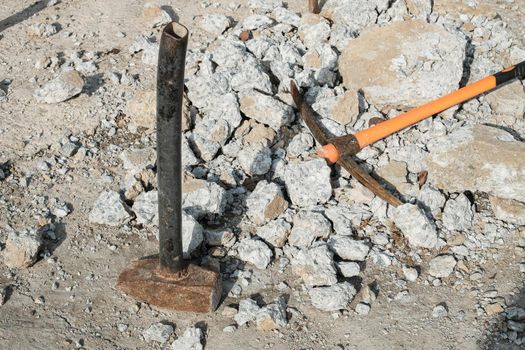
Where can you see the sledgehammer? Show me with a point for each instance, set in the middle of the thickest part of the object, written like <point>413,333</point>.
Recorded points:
<point>341,149</point>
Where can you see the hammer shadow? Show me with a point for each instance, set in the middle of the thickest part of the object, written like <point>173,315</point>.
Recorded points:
<point>23,15</point>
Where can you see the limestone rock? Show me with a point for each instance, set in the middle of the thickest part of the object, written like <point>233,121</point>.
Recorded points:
<point>256,22</point>
<point>66,85</point>
<point>307,227</point>
<point>394,172</point>
<point>416,226</point>
<point>478,158</point>
<point>272,316</point>
<point>43,30</point>
<point>136,160</point>
<point>155,15</point>
<point>266,109</point>
<point>508,100</point>
<point>458,214</point>
<point>248,310</point>
<point>442,266</point>
<point>142,109</point>
<point>22,248</point>
<point>348,268</point>
<point>146,207</point>
<point>332,298</point>
<point>255,159</point>
<point>508,210</point>
<point>215,23</point>
<point>200,197</point>
<point>190,340</point>
<point>220,237</point>
<point>348,248</point>
<point>275,232</point>
<point>315,266</point>
<point>313,30</point>
<point>404,64</point>
<point>308,182</point>
<point>109,210</point>
<point>354,15</point>
<point>346,108</point>
<point>158,332</point>
<point>255,252</point>
<point>266,202</point>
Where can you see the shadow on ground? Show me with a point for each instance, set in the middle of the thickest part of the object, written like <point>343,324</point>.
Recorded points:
<point>23,15</point>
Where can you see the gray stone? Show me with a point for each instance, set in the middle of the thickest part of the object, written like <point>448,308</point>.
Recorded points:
<point>315,266</point>
<point>190,340</point>
<point>410,273</point>
<point>458,214</point>
<point>22,248</point>
<point>215,23</point>
<point>272,316</point>
<point>138,159</point>
<point>308,182</point>
<point>420,8</point>
<point>109,210</point>
<point>256,22</point>
<point>439,310</point>
<point>156,15</point>
<point>248,310</point>
<point>68,149</point>
<point>333,298</point>
<point>256,159</point>
<point>43,30</point>
<point>431,198</point>
<point>265,5</point>
<point>275,232</point>
<point>188,157</point>
<point>145,208</point>
<point>465,160</point>
<point>508,210</point>
<point>192,234</point>
<point>229,329</point>
<point>158,332</point>
<point>300,144</point>
<point>354,15</point>
<point>307,227</point>
<point>286,16</point>
<point>395,73</point>
<point>362,309</point>
<point>314,30</point>
<point>348,248</point>
<point>266,109</point>
<point>220,237</point>
<point>66,85</point>
<point>348,268</point>
<point>200,197</point>
<point>149,48</point>
<point>255,252</point>
<point>416,226</point>
<point>266,202</point>
<point>442,266</point>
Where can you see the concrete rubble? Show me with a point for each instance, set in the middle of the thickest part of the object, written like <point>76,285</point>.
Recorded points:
<point>66,85</point>
<point>109,209</point>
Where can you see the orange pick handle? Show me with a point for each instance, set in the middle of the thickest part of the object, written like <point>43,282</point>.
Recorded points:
<point>388,127</point>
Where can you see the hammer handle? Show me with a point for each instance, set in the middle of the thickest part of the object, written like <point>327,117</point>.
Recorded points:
<point>380,131</point>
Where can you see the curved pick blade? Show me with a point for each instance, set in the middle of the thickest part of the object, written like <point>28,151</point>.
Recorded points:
<point>345,161</point>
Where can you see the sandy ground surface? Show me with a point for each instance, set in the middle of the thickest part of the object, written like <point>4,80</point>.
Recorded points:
<point>85,309</point>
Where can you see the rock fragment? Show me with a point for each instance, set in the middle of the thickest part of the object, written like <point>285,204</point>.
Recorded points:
<point>272,316</point>
<point>442,266</point>
<point>200,197</point>
<point>440,310</point>
<point>248,310</point>
<point>138,159</point>
<point>283,15</point>
<point>142,109</point>
<point>146,207</point>
<point>410,273</point>
<point>156,15</point>
<point>416,226</point>
<point>362,309</point>
<point>465,160</point>
<point>307,227</point>
<point>266,109</point>
<point>308,182</point>
<point>42,30</point>
<point>313,30</point>
<point>348,268</point>
<point>354,15</point>
<point>109,210</point>
<point>215,23</point>
<point>22,248</point>
<point>190,340</point>
<point>426,64</point>
<point>256,22</point>
<point>315,266</point>
<point>220,237</point>
<point>66,85</point>
<point>458,214</point>
<point>266,202</point>
<point>348,248</point>
<point>255,252</point>
<point>508,210</point>
<point>333,298</point>
<point>256,159</point>
<point>158,332</point>
<point>275,232</point>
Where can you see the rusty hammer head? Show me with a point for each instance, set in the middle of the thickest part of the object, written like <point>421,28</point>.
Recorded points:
<point>167,280</point>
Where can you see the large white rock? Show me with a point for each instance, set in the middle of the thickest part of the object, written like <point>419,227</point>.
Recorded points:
<point>275,232</point>
<point>307,227</point>
<point>442,266</point>
<point>458,214</point>
<point>403,64</point>
<point>308,183</point>
<point>255,252</point>
<point>109,210</point>
<point>478,158</point>
<point>266,109</point>
<point>200,197</point>
<point>266,202</point>
<point>348,248</point>
<point>332,298</point>
<point>416,226</point>
<point>315,266</point>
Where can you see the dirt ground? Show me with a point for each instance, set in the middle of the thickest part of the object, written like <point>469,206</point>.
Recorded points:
<point>83,311</point>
